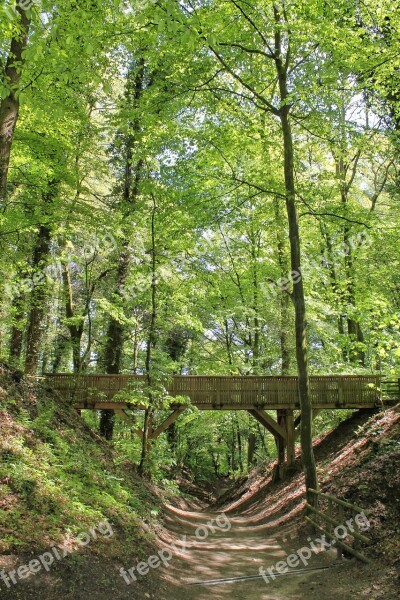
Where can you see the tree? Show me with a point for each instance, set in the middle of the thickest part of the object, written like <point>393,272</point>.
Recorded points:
<point>10,86</point>
<point>275,45</point>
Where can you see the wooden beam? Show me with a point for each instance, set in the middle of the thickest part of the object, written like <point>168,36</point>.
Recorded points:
<point>269,423</point>
<point>109,405</point>
<point>290,452</point>
<point>165,424</point>
<point>339,542</point>
<point>280,441</point>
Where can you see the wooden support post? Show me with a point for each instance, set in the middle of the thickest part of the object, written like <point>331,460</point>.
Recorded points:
<point>341,520</point>
<point>281,442</point>
<point>357,541</point>
<point>330,517</point>
<point>290,457</point>
<point>279,432</point>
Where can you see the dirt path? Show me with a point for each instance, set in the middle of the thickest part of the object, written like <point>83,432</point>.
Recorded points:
<point>237,548</point>
<point>261,513</point>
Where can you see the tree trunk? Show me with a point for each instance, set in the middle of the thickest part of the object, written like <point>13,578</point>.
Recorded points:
<point>251,449</point>
<point>284,296</point>
<point>356,337</point>
<point>17,331</point>
<point>107,421</point>
<point>300,313</point>
<point>75,330</point>
<point>151,343</point>
<point>9,106</point>
<point>61,346</point>
<point>254,249</point>
<point>37,312</point>
<point>131,183</point>
<point>228,345</point>
<point>239,443</point>
<point>308,458</point>
<point>334,280</point>
<point>115,338</point>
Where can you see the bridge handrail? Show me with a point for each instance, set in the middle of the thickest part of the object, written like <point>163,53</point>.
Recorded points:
<point>338,390</point>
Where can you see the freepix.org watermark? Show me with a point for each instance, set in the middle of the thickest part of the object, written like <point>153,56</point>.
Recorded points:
<point>47,559</point>
<point>304,554</point>
<point>166,554</point>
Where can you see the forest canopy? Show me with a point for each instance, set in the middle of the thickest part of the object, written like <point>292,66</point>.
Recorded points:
<point>200,187</point>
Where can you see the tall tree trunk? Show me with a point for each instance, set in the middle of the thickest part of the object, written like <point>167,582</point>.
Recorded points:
<point>254,250</point>
<point>239,443</point>
<point>131,184</point>
<point>344,166</point>
<point>75,328</point>
<point>136,343</point>
<point>114,346</point>
<point>356,337</point>
<point>37,311</point>
<point>61,345</point>
<point>284,296</point>
<point>334,280</point>
<point>17,331</point>
<point>228,344</point>
<point>151,343</point>
<point>251,449</point>
<point>38,300</point>
<point>9,106</point>
<point>300,314</point>
<point>308,458</point>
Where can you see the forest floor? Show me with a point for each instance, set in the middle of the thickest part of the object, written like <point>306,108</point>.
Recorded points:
<point>261,523</point>
<point>62,487</point>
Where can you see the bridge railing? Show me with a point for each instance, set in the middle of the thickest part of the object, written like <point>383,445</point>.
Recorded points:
<point>331,519</point>
<point>390,389</point>
<point>93,387</point>
<point>233,391</point>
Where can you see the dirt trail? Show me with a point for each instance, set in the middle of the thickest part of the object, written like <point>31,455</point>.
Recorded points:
<point>357,462</point>
<point>237,548</point>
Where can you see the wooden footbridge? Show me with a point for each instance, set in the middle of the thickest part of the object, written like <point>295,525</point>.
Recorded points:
<point>257,395</point>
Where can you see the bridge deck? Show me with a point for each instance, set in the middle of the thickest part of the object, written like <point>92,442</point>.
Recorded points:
<point>221,392</point>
